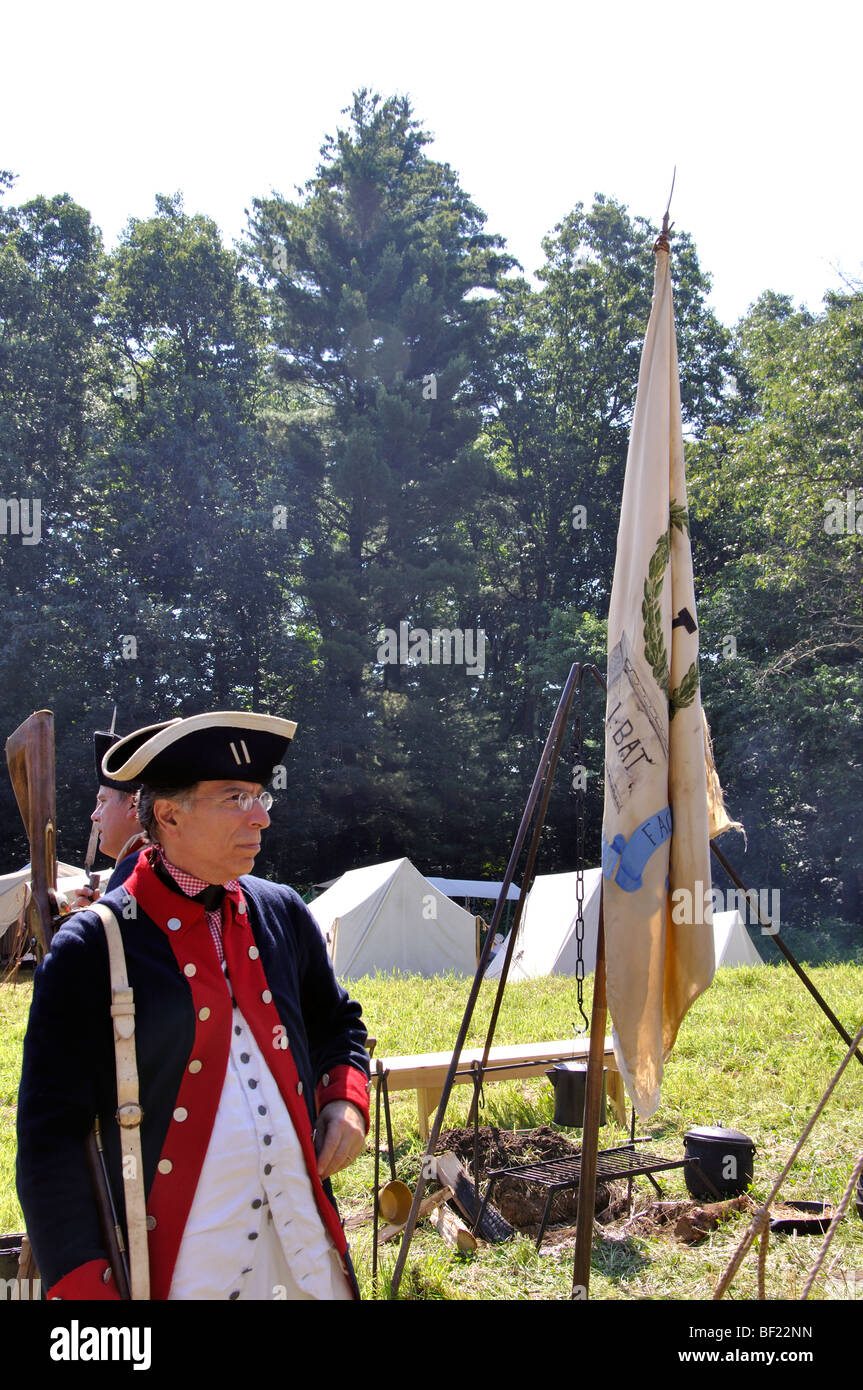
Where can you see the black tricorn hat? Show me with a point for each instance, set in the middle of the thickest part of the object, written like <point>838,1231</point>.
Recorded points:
<point>204,748</point>
<point>103,742</point>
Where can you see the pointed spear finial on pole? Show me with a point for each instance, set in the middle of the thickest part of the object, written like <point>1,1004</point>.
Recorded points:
<point>662,242</point>
<point>113,720</point>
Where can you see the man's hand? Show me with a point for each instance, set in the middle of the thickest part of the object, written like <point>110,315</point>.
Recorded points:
<point>340,1136</point>
<point>83,898</point>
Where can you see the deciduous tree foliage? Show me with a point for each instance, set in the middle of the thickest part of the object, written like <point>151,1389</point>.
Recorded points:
<point>50,288</point>
<point>253,462</point>
<point>568,355</point>
<point>783,598</point>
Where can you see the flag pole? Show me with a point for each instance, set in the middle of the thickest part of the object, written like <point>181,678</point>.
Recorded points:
<point>662,240</point>
<point>590,1132</point>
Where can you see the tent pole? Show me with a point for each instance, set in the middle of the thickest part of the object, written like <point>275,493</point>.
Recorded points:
<point>787,953</point>
<point>564,712</point>
<point>554,734</point>
<point>527,879</point>
<point>590,1131</point>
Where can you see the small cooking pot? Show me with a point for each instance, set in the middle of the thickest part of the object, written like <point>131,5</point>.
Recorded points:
<point>395,1201</point>
<point>10,1250</point>
<point>569,1080</point>
<point>725,1157</point>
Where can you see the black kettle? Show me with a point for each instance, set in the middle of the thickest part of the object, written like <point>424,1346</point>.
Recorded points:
<point>726,1157</point>
<point>569,1080</point>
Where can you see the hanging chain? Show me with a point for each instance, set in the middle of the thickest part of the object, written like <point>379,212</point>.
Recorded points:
<point>579,786</point>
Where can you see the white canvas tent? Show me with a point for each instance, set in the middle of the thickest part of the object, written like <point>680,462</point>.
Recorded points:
<point>732,942</point>
<point>13,889</point>
<point>547,942</point>
<point>487,889</point>
<point>388,917</point>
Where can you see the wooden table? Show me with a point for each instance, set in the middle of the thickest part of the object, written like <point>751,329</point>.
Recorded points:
<point>425,1072</point>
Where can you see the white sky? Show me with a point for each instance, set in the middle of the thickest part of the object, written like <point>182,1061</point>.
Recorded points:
<point>536,106</point>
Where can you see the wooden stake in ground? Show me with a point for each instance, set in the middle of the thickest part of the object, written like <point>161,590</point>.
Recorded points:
<point>590,1132</point>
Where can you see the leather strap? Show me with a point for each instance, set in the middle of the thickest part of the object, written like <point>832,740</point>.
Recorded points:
<point>129,1113</point>
<point>138,838</point>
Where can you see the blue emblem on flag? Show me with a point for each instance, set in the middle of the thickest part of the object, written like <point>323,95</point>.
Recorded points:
<point>624,860</point>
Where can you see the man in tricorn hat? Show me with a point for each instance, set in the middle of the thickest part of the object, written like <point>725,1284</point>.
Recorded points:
<point>252,1068</point>
<point>116,814</point>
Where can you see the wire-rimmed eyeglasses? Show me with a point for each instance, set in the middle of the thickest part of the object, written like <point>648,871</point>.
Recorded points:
<point>245,801</point>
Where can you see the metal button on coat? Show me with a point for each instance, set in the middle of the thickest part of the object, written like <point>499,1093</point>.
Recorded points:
<point>267,996</point>
<point>174,924</point>
<point>325,1079</point>
<point>165,1165</point>
<point>195,1066</point>
<point>299,1088</point>
<point>204,1014</point>
<point>253,953</point>
<point>180,1114</point>
<point>190,969</point>
<point>241,907</point>
<point>151,1223</point>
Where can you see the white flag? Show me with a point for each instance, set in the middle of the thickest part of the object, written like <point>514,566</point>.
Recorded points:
<point>655,833</point>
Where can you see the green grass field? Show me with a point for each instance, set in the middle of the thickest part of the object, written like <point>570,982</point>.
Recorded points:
<point>754,1053</point>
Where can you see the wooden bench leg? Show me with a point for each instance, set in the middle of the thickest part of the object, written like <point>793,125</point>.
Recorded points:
<point>428,1098</point>
<point>616,1093</point>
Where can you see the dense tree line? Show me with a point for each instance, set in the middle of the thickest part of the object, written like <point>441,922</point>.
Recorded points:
<point>260,469</point>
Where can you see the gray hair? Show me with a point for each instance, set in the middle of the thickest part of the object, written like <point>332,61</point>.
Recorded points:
<point>147,798</point>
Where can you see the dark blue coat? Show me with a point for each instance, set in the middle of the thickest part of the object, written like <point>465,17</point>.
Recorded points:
<point>183,1019</point>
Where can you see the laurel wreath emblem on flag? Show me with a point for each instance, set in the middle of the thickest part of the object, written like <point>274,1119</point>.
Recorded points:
<point>654,642</point>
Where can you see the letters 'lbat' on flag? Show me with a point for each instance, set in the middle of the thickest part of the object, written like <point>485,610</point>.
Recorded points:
<point>662,796</point>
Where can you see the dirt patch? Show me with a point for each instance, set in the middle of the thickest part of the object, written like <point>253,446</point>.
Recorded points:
<point>502,1148</point>
<point>521,1204</point>
<point>688,1222</point>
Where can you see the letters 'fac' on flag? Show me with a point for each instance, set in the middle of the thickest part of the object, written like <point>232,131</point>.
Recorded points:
<point>662,797</point>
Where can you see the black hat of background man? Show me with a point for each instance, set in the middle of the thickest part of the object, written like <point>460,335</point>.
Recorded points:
<point>203,748</point>
<point>103,741</point>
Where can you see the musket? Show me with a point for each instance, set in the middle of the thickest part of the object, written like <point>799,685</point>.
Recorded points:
<point>30,758</point>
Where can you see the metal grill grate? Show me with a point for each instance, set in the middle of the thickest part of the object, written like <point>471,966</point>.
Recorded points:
<point>611,1164</point>
<point>555,1174</point>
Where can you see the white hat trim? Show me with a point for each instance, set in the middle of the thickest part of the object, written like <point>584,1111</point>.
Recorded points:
<point>147,751</point>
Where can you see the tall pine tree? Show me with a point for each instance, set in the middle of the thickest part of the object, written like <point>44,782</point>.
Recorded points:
<point>380,277</point>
